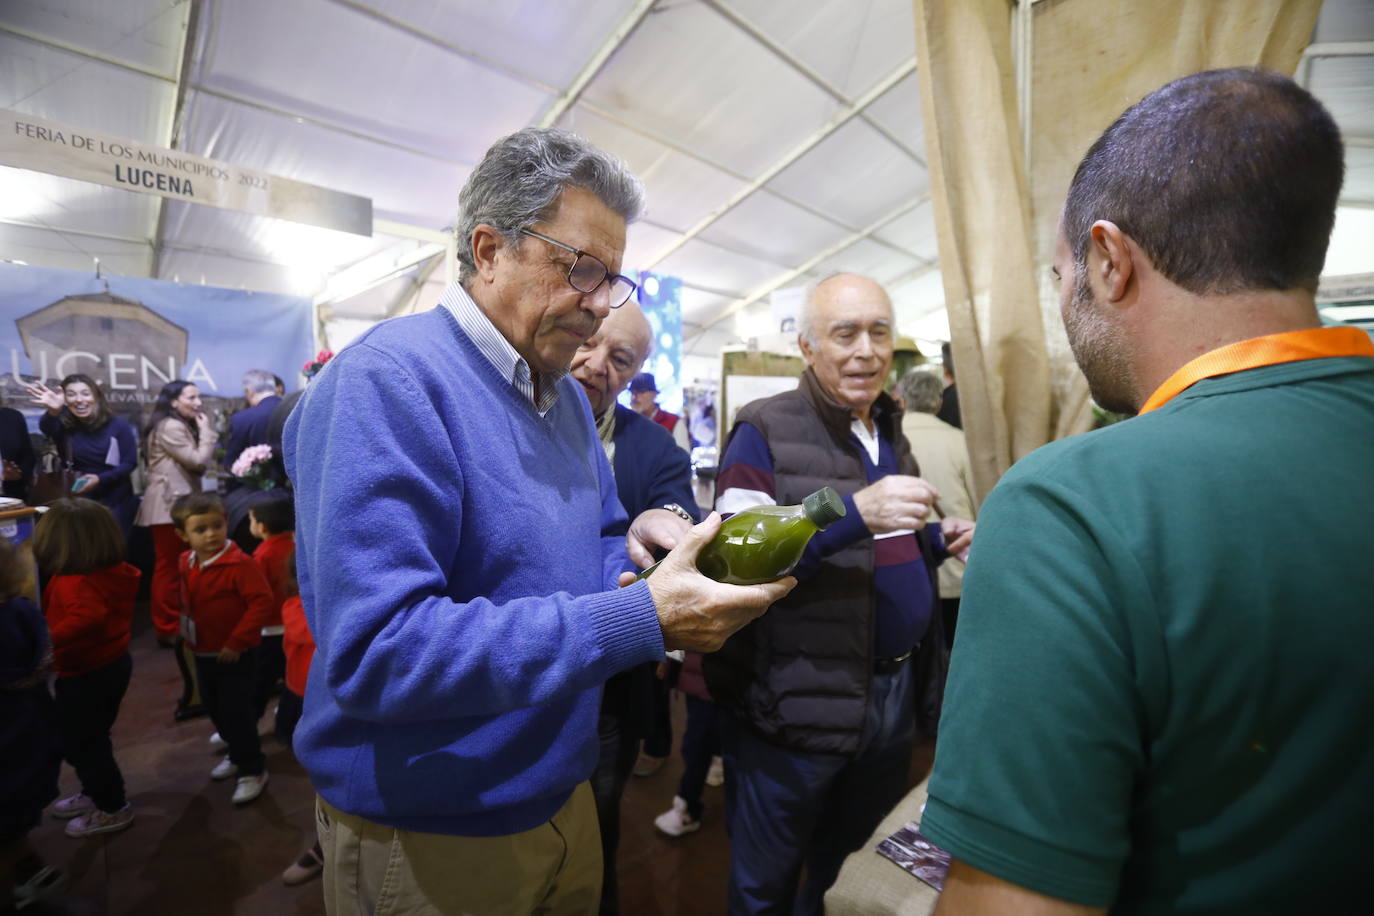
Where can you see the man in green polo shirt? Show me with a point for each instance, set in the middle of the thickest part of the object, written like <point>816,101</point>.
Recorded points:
<point>1162,691</point>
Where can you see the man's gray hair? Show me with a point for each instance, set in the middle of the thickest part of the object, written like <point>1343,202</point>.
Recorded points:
<point>255,380</point>
<point>922,390</point>
<point>518,181</point>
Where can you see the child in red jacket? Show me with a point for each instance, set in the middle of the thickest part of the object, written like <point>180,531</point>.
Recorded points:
<point>273,521</point>
<point>89,604</point>
<point>299,646</point>
<point>225,602</point>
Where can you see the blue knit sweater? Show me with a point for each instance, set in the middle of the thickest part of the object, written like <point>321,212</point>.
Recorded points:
<point>455,552</point>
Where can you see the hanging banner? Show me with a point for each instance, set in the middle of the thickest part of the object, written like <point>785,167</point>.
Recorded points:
<point>28,142</point>
<point>132,336</point>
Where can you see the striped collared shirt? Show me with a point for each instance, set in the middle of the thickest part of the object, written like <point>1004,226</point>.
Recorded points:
<point>498,351</point>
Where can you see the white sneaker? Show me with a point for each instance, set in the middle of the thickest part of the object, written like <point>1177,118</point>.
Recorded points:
<point>224,769</point>
<point>249,788</point>
<point>217,742</point>
<point>715,776</point>
<point>676,821</point>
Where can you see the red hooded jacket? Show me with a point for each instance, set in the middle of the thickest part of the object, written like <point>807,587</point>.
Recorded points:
<point>229,601</point>
<point>89,616</point>
<point>272,555</point>
<point>297,643</point>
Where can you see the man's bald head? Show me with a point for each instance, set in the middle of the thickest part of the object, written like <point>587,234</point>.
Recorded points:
<point>612,356</point>
<point>846,337</point>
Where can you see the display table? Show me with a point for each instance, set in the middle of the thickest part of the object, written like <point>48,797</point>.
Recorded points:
<point>871,885</point>
<point>16,525</point>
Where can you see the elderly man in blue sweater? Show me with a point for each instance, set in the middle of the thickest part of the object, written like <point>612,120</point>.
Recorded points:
<point>460,542</point>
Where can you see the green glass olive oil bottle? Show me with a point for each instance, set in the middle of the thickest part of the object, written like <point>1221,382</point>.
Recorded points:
<point>765,543</point>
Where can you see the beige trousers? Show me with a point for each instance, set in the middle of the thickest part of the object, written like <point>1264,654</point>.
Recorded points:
<point>373,870</point>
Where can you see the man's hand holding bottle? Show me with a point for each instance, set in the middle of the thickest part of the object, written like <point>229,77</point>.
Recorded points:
<point>699,613</point>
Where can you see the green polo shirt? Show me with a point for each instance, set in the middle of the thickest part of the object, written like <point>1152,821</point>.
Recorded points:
<point>1162,691</point>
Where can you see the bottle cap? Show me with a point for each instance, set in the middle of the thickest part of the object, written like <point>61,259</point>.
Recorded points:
<point>824,507</point>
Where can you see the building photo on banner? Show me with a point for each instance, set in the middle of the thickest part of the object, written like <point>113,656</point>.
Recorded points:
<point>854,269</point>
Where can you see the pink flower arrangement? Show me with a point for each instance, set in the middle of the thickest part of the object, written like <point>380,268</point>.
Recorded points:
<point>312,367</point>
<point>253,466</point>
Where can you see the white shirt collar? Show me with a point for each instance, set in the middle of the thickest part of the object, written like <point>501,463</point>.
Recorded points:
<point>498,351</point>
<point>222,552</point>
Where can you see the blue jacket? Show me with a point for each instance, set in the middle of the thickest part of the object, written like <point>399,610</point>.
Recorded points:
<point>248,427</point>
<point>456,556</point>
<point>651,470</point>
<point>89,449</point>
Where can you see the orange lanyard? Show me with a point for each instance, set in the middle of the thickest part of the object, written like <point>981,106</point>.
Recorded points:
<point>1270,350</point>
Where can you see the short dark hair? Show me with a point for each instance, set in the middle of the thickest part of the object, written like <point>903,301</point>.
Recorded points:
<point>275,513</point>
<point>947,357</point>
<point>189,504</point>
<point>1227,179</point>
<point>77,536</point>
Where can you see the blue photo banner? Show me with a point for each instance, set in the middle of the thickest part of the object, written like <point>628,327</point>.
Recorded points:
<point>133,335</point>
<point>661,298</point>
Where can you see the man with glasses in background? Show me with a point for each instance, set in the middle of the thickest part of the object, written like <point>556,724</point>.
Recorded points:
<point>460,542</point>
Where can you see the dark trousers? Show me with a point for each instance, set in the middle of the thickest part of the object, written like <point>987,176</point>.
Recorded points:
<point>700,742</point>
<point>949,609</point>
<point>790,808</point>
<point>619,747</point>
<point>87,706</point>
<point>268,674</point>
<point>659,741</point>
<point>289,709</point>
<point>227,690</point>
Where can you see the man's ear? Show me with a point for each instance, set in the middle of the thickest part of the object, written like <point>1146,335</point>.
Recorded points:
<point>1109,260</point>
<point>181,534</point>
<point>486,243</point>
<point>805,348</point>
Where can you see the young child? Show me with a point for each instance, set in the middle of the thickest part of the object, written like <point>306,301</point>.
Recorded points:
<point>299,646</point>
<point>30,746</point>
<point>225,603</point>
<point>89,603</point>
<point>274,522</point>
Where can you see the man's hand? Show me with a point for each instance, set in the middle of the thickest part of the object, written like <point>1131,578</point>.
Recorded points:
<point>85,482</point>
<point>958,534</point>
<point>896,503</point>
<point>13,471</point>
<point>654,528</point>
<point>227,656</point>
<point>698,613</point>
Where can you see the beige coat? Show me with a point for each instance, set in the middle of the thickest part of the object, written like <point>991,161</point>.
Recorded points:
<point>942,454</point>
<point>175,466</point>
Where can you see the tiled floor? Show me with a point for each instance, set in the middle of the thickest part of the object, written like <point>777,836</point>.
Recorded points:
<point>192,852</point>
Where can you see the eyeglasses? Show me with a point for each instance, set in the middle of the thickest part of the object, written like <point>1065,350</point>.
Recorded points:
<point>588,272</point>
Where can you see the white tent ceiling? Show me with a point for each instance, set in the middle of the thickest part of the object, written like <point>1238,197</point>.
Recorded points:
<point>778,141</point>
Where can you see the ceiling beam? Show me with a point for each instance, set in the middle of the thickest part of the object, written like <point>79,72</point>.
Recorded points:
<point>738,20</point>
<point>795,273</point>
<point>445,44</point>
<point>229,96</point>
<point>628,23</point>
<point>675,146</point>
<point>805,146</point>
<point>85,52</point>
<point>1339,49</point>
<point>189,27</point>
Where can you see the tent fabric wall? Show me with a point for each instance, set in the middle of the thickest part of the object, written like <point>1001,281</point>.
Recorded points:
<point>996,219</point>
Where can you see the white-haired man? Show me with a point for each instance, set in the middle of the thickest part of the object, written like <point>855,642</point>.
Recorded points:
<point>824,690</point>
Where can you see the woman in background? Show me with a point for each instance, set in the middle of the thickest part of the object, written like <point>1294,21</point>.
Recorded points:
<point>178,445</point>
<point>100,445</point>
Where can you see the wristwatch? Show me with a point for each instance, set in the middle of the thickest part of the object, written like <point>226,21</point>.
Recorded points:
<point>680,512</point>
